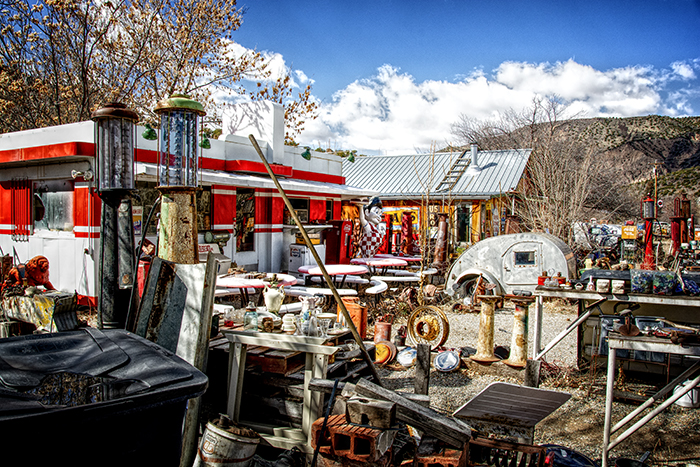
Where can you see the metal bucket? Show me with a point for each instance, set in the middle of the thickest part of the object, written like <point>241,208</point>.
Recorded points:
<point>382,329</point>
<point>223,448</point>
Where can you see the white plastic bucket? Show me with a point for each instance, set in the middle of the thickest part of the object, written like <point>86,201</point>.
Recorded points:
<point>222,448</point>
<point>690,399</point>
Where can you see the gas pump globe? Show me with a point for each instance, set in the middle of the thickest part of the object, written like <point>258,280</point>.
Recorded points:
<point>178,178</point>
<point>648,214</point>
<point>115,142</point>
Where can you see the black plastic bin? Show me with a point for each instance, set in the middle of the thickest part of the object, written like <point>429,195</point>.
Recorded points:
<point>92,397</point>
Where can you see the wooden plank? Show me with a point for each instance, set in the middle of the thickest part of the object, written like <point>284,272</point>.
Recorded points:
<point>326,386</point>
<point>257,350</point>
<point>425,419</point>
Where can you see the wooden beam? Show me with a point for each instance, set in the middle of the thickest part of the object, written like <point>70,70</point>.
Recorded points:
<point>425,419</point>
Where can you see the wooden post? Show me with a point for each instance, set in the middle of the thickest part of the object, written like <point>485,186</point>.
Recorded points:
<point>422,382</point>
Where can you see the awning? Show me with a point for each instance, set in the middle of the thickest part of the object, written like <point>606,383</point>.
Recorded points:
<point>149,172</point>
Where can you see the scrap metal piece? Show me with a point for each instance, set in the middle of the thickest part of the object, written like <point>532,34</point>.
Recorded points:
<point>509,410</point>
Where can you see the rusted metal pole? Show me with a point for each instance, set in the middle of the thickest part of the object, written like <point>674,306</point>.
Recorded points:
<point>484,346</point>
<point>177,237</point>
<point>326,276</point>
<point>518,346</point>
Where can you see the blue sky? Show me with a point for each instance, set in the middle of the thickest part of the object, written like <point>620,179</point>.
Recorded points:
<point>392,76</point>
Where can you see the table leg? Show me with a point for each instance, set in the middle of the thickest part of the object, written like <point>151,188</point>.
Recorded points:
<point>237,356</point>
<point>316,367</point>
<point>537,341</point>
<point>608,405</point>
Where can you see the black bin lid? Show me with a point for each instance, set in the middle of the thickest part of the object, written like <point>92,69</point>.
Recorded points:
<point>115,364</point>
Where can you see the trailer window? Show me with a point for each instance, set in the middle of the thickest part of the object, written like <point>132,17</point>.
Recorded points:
<point>53,206</point>
<point>525,258</point>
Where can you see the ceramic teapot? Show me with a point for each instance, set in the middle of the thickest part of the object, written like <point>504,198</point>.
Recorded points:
<point>273,298</point>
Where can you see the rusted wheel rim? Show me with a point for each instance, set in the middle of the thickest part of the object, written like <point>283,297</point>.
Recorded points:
<point>428,325</point>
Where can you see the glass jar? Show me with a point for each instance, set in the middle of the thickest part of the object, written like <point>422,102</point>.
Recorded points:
<point>250,319</point>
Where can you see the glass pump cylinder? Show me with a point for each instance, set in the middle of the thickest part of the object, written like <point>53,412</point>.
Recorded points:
<point>648,208</point>
<point>115,142</point>
<point>178,162</point>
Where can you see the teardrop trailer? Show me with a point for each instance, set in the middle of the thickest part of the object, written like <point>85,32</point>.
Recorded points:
<point>510,262</point>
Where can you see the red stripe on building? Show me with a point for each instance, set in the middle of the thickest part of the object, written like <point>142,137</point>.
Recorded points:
<point>319,177</point>
<point>257,167</point>
<point>47,152</point>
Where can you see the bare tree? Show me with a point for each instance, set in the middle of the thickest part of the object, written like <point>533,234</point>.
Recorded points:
<point>60,59</point>
<point>565,177</point>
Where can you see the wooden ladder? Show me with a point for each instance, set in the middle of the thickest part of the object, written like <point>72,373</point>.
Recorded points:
<point>455,172</point>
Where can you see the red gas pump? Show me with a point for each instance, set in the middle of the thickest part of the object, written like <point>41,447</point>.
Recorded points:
<point>648,214</point>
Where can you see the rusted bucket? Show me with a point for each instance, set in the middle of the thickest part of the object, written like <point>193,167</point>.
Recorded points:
<point>382,329</point>
<point>225,445</point>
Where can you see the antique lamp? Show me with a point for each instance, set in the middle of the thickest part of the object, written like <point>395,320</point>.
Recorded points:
<point>115,141</point>
<point>648,214</point>
<point>178,178</point>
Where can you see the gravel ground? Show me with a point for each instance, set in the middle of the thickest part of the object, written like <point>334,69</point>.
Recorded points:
<point>673,437</point>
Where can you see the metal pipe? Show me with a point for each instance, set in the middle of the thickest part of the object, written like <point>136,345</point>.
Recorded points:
<point>654,412</point>
<point>484,346</point>
<point>570,328</point>
<point>610,385</point>
<point>649,402</point>
<point>518,345</point>
<point>326,276</point>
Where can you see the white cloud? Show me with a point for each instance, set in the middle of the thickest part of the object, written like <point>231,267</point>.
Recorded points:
<point>684,69</point>
<point>392,113</point>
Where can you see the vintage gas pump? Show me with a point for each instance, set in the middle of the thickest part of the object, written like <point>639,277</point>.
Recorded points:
<point>178,170</point>
<point>648,214</point>
<point>115,141</point>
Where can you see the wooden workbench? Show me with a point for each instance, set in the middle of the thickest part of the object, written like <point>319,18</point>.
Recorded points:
<point>316,366</point>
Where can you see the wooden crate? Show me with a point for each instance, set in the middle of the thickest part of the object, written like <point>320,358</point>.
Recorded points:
<point>284,362</point>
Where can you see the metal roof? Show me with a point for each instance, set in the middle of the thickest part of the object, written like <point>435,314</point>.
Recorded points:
<point>420,174</point>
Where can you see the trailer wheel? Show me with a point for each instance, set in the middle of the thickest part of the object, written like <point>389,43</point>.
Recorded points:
<point>467,286</point>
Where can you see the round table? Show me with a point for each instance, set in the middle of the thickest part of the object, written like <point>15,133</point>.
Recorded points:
<point>243,282</point>
<point>380,265</point>
<point>334,270</point>
<point>410,259</point>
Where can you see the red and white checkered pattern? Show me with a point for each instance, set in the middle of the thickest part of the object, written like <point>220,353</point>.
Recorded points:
<point>370,241</point>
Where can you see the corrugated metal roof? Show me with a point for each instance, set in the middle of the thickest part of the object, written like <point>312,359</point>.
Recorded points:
<point>419,174</point>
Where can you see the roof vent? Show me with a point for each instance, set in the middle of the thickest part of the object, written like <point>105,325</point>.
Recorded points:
<point>474,168</point>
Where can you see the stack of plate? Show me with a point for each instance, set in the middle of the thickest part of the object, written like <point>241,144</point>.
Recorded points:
<point>384,351</point>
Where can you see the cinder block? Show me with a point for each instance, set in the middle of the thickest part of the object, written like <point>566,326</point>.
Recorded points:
<point>432,452</point>
<point>350,441</point>
<point>325,440</point>
<point>372,412</point>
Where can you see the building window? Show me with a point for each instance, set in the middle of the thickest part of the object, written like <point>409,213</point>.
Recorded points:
<point>301,207</point>
<point>329,209</point>
<point>53,206</point>
<point>245,219</point>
